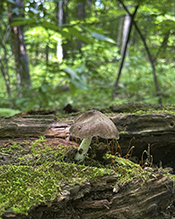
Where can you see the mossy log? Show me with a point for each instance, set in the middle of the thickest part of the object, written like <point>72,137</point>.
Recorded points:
<point>149,196</point>
<point>158,130</point>
<point>143,195</point>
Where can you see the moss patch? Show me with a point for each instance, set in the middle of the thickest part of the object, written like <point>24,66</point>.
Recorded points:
<point>6,112</point>
<point>24,186</point>
<point>34,171</point>
<point>140,108</point>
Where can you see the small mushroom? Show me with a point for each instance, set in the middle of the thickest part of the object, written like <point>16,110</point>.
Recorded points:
<point>89,124</point>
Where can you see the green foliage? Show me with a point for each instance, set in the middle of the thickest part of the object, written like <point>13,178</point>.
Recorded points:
<point>91,48</point>
<point>6,112</point>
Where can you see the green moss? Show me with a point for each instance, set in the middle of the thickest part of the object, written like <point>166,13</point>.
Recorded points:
<point>23,186</point>
<point>7,112</point>
<point>36,172</point>
<point>141,108</point>
<point>33,152</point>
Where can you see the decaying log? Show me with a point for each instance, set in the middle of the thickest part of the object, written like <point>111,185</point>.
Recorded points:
<point>158,130</point>
<point>33,126</point>
<point>149,196</point>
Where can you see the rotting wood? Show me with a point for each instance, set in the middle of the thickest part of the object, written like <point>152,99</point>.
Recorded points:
<point>32,126</point>
<point>158,130</point>
<point>143,197</point>
<point>150,197</point>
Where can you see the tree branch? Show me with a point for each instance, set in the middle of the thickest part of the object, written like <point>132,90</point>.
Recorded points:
<point>124,52</point>
<point>158,92</point>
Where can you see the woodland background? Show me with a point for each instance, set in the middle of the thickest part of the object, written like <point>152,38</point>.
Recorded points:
<point>90,53</point>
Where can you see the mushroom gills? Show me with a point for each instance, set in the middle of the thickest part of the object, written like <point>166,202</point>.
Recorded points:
<point>82,150</point>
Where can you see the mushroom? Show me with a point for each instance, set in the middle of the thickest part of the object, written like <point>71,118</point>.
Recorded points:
<point>89,124</point>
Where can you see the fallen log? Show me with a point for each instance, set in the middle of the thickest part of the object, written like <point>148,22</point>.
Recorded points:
<point>147,196</point>
<point>143,195</point>
<point>158,130</point>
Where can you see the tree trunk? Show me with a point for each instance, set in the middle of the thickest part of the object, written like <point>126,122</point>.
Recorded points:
<point>81,14</point>
<point>126,28</point>
<point>19,46</point>
<point>119,36</point>
<point>152,61</point>
<point>47,50</point>
<point>60,12</point>
<point>89,4</point>
<point>5,72</point>
<point>124,54</point>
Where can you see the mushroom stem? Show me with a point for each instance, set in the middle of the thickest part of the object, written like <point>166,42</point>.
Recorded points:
<point>82,150</point>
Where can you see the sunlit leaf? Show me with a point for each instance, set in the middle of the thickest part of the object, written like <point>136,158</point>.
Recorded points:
<point>74,32</point>
<point>98,35</point>
<point>75,79</point>
<point>102,37</point>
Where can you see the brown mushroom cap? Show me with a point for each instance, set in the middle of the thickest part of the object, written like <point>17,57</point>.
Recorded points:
<point>93,123</point>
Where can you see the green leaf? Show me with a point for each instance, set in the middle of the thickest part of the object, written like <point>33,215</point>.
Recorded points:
<point>98,35</point>
<point>71,73</point>
<point>74,32</point>
<point>65,34</point>
<point>45,24</point>
<point>75,79</point>
<point>102,37</point>
<point>23,21</point>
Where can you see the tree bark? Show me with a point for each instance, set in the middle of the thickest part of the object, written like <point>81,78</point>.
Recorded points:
<point>126,28</point>
<point>19,46</point>
<point>81,14</point>
<point>5,72</point>
<point>60,13</point>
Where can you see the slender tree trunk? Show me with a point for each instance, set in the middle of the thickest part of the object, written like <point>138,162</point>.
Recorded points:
<point>127,22</point>
<point>19,46</point>
<point>5,72</point>
<point>4,58</point>
<point>36,45</point>
<point>59,52</point>
<point>119,36</point>
<point>47,50</point>
<point>80,15</point>
<point>89,3</point>
<point>66,46</point>
<point>124,54</point>
<point>158,92</point>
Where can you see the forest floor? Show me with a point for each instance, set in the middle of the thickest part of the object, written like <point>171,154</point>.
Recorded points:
<point>38,178</point>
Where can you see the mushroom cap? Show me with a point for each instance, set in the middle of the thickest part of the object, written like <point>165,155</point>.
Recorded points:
<point>93,123</point>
